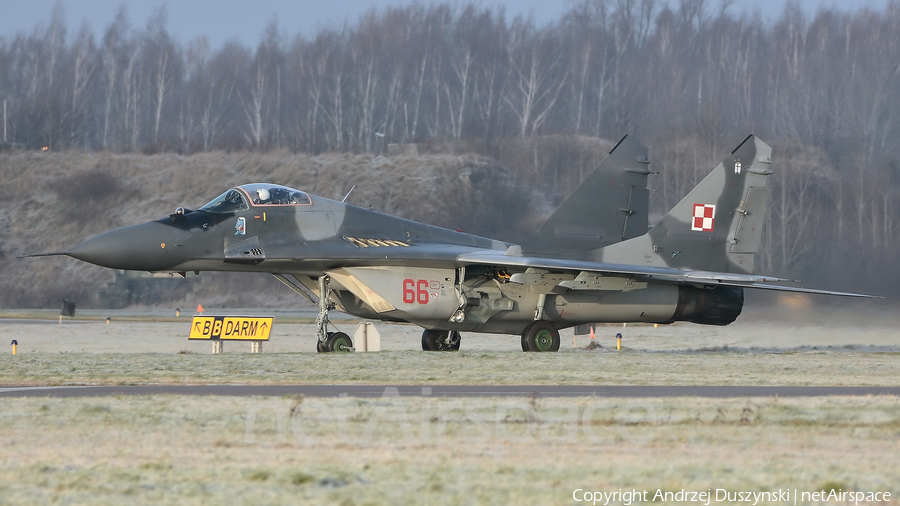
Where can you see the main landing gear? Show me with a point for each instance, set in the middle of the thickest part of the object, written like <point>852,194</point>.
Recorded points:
<point>440,340</point>
<point>329,341</point>
<point>540,336</point>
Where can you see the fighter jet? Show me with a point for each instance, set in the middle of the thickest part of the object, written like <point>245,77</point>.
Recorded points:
<point>592,261</point>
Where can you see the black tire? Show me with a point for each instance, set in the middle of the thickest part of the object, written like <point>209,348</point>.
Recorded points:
<point>525,336</point>
<point>541,336</point>
<point>431,340</point>
<point>339,341</point>
<point>440,340</point>
<point>322,346</point>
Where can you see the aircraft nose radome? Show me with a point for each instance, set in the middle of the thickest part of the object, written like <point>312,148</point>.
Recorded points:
<point>139,248</point>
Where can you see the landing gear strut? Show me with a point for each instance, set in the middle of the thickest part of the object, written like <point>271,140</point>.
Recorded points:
<point>440,340</point>
<point>328,341</point>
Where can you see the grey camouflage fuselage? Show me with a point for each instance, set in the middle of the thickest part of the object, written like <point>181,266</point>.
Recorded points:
<point>592,261</point>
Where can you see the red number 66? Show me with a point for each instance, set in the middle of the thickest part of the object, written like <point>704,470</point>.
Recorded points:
<point>415,291</point>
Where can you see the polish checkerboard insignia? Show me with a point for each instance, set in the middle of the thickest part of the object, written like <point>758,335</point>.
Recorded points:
<point>704,217</point>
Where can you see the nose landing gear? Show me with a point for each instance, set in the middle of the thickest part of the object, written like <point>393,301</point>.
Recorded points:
<point>440,340</point>
<point>329,341</point>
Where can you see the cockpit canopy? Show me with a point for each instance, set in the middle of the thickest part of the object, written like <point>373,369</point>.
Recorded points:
<point>256,194</point>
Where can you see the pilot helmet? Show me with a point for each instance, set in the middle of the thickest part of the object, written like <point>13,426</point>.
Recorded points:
<point>263,194</point>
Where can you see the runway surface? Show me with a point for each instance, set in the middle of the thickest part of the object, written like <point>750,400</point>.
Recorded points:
<point>448,391</point>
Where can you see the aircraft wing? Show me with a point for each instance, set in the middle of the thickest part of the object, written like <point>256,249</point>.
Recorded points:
<point>666,274</point>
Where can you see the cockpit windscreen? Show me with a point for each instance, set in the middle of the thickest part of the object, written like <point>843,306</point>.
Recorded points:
<point>259,194</point>
<point>231,201</point>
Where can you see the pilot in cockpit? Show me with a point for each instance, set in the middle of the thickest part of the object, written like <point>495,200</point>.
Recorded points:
<point>262,196</point>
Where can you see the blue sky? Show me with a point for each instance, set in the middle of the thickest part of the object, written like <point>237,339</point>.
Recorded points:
<point>222,20</point>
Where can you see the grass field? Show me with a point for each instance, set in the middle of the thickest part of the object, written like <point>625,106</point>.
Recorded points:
<point>187,450</point>
<point>258,450</point>
<point>835,367</point>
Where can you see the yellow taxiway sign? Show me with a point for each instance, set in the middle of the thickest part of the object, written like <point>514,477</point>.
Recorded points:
<point>234,328</point>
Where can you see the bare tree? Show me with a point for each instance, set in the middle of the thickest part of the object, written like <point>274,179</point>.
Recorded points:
<point>164,65</point>
<point>84,63</point>
<point>262,91</point>
<point>537,77</point>
<point>111,58</point>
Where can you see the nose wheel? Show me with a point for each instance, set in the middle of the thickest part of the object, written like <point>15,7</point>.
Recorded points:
<point>335,341</point>
<point>440,340</point>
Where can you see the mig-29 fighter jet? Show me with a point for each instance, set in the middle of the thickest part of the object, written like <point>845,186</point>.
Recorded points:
<point>592,261</point>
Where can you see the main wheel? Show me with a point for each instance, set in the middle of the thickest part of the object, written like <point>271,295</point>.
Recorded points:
<point>525,336</point>
<point>540,336</point>
<point>440,340</point>
<point>339,341</point>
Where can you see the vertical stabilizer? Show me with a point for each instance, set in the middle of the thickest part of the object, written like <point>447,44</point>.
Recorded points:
<point>717,226</point>
<point>611,205</point>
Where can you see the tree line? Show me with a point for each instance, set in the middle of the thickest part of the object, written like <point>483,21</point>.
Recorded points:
<point>688,78</point>
<point>449,72</point>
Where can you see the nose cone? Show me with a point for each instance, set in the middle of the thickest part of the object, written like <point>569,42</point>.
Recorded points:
<point>139,248</point>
